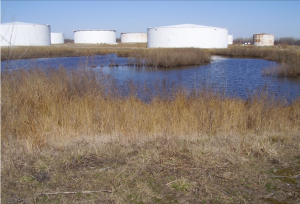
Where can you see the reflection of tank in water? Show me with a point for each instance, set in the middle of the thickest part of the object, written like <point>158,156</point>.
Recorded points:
<point>25,34</point>
<point>263,39</point>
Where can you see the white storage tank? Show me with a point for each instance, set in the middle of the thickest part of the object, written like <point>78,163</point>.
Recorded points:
<point>230,39</point>
<point>25,34</point>
<point>133,37</point>
<point>187,35</point>
<point>263,39</point>
<point>57,38</point>
<point>95,36</point>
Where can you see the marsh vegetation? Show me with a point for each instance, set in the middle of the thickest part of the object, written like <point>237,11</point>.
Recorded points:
<point>139,56</point>
<point>71,136</point>
<point>164,58</point>
<point>168,58</point>
<point>68,50</point>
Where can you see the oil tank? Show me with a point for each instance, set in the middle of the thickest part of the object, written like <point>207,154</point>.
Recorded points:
<point>57,38</point>
<point>95,36</point>
<point>230,39</point>
<point>263,39</point>
<point>133,37</point>
<point>25,34</point>
<point>187,35</point>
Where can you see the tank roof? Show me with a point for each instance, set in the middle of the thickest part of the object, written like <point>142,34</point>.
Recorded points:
<point>188,26</point>
<point>21,23</point>
<point>94,30</point>
<point>262,34</point>
<point>134,33</point>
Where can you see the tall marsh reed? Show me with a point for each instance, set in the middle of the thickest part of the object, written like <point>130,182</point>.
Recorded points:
<point>37,103</point>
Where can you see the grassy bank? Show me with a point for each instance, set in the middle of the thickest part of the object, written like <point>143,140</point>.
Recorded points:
<point>139,56</point>
<point>289,58</point>
<point>68,50</point>
<point>70,137</point>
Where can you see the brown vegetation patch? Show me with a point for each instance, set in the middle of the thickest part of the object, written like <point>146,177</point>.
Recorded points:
<point>68,50</point>
<point>137,54</point>
<point>166,58</point>
<point>198,169</point>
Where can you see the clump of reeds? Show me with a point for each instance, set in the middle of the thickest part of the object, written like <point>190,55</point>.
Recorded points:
<point>166,58</point>
<point>290,59</point>
<point>282,70</point>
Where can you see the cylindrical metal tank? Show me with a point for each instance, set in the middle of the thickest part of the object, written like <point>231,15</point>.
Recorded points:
<point>25,34</point>
<point>95,36</point>
<point>57,38</point>
<point>133,37</point>
<point>263,39</point>
<point>187,35</point>
<point>230,39</point>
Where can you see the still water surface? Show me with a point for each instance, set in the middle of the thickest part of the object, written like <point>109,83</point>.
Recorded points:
<point>237,77</point>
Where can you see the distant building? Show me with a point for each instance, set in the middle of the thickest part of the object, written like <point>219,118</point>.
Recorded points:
<point>263,39</point>
<point>230,39</point>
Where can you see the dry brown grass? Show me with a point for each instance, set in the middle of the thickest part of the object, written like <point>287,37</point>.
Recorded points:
<point>166,58</point>
<point>290,58</point>
<point>68,50</point>
<point>139,56</point>
<point>73,132</point>
<point>36,102</point>
<point>157,169</point>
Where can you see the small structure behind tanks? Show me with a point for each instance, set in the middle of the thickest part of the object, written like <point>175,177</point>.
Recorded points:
<point>187,35</point>
<point>230,39</point>
<point>95,36</point>
<point>57,38</point>
<point>133,37</point>
<point>25,34</point>
<point>263,39</point>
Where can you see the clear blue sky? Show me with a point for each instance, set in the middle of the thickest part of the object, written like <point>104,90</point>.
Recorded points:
<point>242,18</point>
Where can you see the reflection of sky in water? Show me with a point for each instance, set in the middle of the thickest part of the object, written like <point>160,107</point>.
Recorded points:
<point>238,77</point>
<point>67,62</point>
